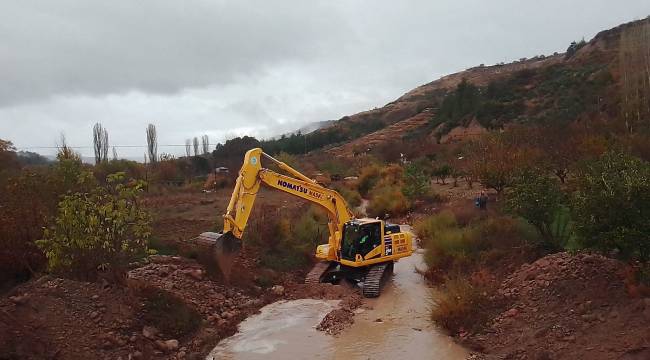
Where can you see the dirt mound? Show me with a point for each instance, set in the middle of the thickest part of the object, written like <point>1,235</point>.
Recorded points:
<point>171,309</point>
<point>338,319</point>
<point>64,319</point>
<point>566,307</point>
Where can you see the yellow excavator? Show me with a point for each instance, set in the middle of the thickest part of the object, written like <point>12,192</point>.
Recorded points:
<point>358,250</point>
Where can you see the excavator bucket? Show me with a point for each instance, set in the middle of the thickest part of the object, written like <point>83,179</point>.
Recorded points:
<point>224,249</point>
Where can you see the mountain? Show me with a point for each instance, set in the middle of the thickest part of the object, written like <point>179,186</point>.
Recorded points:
<point>582,83</point>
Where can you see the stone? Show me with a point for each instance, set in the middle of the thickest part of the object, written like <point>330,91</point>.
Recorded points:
<point>149,332</point>
<point>19,300</point>
<point>171,345</point>
<point>511,313</point>
<point>278,290</point>
<point>197,274</point>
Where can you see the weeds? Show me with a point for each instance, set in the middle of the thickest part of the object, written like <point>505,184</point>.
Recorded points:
<point>169,314</point>
<point>462,304</point>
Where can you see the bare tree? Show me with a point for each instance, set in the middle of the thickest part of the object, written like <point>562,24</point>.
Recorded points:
<point>634,61</point>
<point>100,143</point>
<point>205,144</point>
<point>188,147</point>
<point>152,143</point>
<point>195,142</point>
<point>114,153</point>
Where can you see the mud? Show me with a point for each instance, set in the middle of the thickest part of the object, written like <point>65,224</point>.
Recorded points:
<point>284,329</point>
<point>395,325</point>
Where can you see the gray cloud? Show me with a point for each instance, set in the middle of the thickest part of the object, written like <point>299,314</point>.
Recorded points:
<point>252,67</point>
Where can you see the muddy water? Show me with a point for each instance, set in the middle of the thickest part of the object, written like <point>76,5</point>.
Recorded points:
<point>396,327</point>
<point>282,330</point>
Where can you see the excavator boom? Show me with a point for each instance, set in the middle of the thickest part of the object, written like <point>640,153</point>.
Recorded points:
<point>251,176</point>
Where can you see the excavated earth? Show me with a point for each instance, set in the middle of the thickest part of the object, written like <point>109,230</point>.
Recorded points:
<point>567,307</point>
<point>54,318</point>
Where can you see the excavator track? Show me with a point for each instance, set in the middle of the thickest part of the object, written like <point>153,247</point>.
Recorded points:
<point>316,273</point>
<point>374,279</point>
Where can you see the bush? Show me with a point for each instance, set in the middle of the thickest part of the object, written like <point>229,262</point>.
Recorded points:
<point>450,247</point>
<point>540,201</point>
<point>102,229</point>
<point>416,182</point>
<point>286,245</point>
<point>368,177</point>
<point>387,200</point>
<point>611,205</point>
<point>352,197</point>
<point>461,305</point>
<point>169,314</point>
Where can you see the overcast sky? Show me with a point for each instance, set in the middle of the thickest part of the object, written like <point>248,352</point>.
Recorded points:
<point>261,68</point>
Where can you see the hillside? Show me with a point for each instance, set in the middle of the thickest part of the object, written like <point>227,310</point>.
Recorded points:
<point>581,83</point>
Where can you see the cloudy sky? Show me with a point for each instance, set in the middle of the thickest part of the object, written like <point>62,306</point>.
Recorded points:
<point>228,68</point>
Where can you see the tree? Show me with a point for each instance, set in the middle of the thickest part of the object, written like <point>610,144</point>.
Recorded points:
<point>574,47</point>
<point>205,144</point>
<point>152,143</point>
<point>497,158</point>
<point>611,205</point>
<point>195,142</point>
<point>539,199</point>
<point>416,182</point>
<point>634,62</point>
<point>188,147</point>
<point>104,229</point>
<point>114,154</point>
<point>441,173</point>
<point>100,143</point>
<point>8,158</point>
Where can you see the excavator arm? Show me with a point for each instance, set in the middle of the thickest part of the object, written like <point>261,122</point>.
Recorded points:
<point>251,177</point>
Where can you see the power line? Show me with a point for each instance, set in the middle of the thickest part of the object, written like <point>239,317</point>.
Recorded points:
<point>91,147</point>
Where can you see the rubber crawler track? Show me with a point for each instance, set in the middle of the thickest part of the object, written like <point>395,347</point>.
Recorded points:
<point>373,280</point>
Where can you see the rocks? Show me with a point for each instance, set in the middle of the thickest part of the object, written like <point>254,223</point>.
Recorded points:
<point>168,345</point>
<point>546,307</point>
<point>196,274</point>
<point>19,300</point>
<point>337,320</point>
<point>277,290</point>
<point>149,332</point>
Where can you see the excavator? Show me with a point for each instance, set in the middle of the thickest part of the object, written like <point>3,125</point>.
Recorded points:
<point>362,251</point>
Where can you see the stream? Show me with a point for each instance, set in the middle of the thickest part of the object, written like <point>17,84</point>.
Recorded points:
<point>397,326</point>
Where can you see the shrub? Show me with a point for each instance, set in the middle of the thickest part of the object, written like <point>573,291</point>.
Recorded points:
<point>287,245</point>
<point>450,247</point>
<point>540,201</point>
<point>387,200</point>
<point>461,305</point>
<point>611,205</point>
<point>101,229</point>
<point>368,177</point>
<point>352,197</point>
<point>416,182</point>
<point>169,314</point>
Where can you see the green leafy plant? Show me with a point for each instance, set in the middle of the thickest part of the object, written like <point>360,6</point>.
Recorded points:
<point>540,201</point>
<point>104,229</point>
<point>611,205</point>
<point>416,182</point>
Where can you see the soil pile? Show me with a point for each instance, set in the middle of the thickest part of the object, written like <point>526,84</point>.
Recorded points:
<point>567,307</point>
<point>338,319</point>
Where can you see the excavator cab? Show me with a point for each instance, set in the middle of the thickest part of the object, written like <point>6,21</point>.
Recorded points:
<point>360,237</point>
